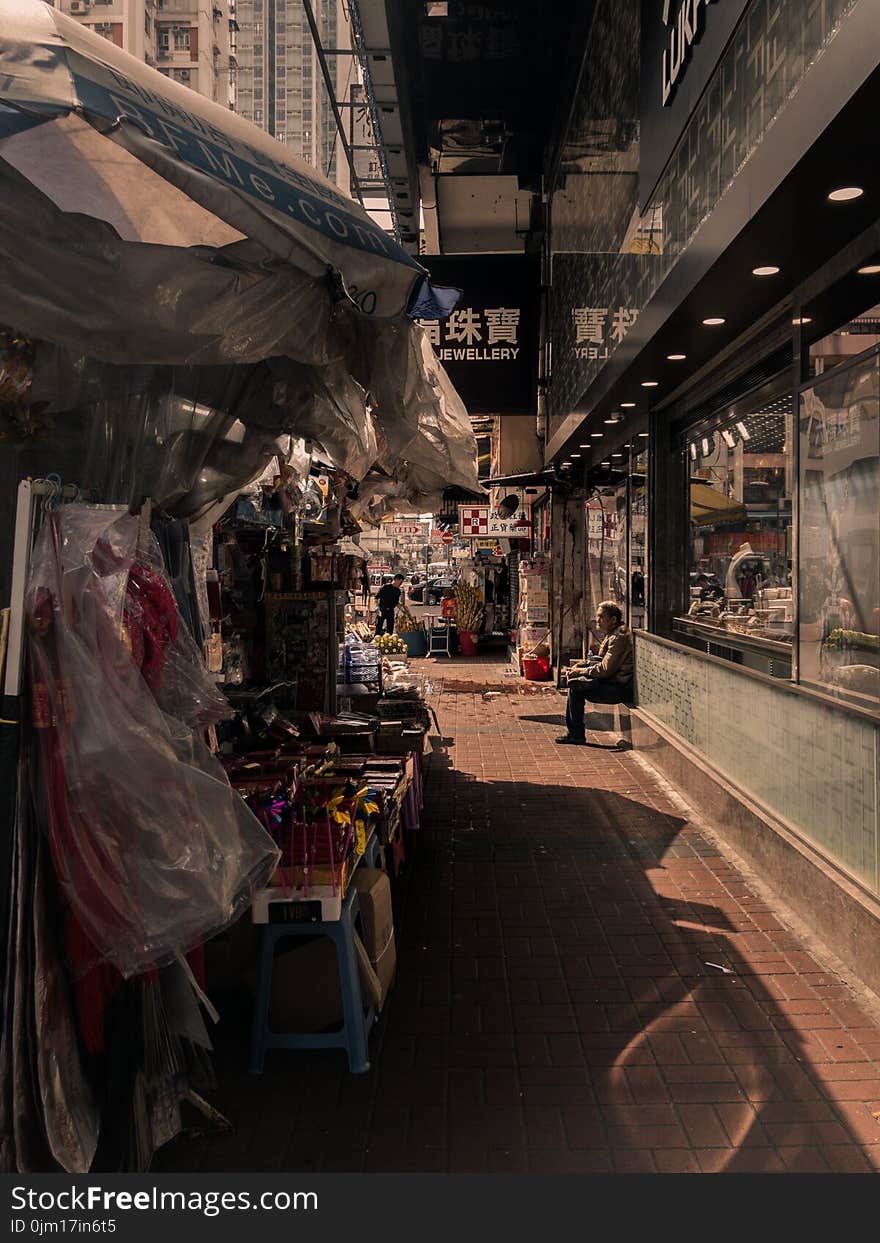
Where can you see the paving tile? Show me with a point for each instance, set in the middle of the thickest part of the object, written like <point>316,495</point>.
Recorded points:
<point>554,1010</point>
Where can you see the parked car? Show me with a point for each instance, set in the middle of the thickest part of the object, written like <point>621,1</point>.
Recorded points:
<point>436,587</point>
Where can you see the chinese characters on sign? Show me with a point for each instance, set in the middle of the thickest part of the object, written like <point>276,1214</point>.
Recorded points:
<point>478,521</point>
<point>489,344</point>
<point>403,528</point>
<point>474,336</point>
<point>598,328</point>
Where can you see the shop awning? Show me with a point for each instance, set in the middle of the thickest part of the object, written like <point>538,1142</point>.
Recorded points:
<point>710,508</point>
<point>109,154</point>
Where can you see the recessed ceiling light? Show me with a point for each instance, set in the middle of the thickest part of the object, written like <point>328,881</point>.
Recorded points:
<point>802,319</point>
<point>617,455</point>
<point>845,194</point>
<point>871,269</point>
<point>713,321</point>
<point>575,455</point>
<point>597,435</point>
<point>676,358</point>
<point>650,383</point>
<point>627,405</point>
<point>611,421</point>
<point>766,271</point>
<point>643,435</point>
<point>566,463</point>
<point>587,445</point>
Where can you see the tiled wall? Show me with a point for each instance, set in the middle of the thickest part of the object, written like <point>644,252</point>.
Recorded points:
<point>815,767</point>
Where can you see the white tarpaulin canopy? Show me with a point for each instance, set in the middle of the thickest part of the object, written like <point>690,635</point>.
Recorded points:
<point>131,187</point>
<point>196,291</point>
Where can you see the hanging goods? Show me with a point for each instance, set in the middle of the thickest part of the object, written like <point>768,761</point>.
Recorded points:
<point>153,851</point>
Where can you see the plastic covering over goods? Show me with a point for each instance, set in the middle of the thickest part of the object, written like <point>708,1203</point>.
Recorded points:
<point>153,851</point>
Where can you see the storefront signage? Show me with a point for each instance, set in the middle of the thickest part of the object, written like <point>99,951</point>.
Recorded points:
<point>682,42</point>
<point>593,308</point>
<point>402,528</point>
<point>480,523</point>
<point>489,345</point>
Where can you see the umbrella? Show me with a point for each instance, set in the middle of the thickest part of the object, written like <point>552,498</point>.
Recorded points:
<point>130,182</point>
<point>711,508</point>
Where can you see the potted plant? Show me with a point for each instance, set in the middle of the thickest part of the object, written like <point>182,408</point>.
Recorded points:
<point>468,617</point>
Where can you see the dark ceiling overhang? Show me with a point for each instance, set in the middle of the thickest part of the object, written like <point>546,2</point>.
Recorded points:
<point>483,87</point>
<point>775,212</point>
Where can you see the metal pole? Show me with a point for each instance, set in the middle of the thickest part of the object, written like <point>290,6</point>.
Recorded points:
<point>331,94</point>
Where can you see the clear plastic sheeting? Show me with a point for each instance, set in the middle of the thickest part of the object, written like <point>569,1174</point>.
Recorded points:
<point>425,437</point>
<point>153,851</point>
<point>151,303</point>
<point>326,405</point>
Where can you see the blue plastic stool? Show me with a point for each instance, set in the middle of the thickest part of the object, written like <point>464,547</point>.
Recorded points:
<point>373,856</point>
<point>354,1033</point>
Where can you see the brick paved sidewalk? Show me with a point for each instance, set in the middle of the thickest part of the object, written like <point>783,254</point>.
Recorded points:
<point>562,1002</point>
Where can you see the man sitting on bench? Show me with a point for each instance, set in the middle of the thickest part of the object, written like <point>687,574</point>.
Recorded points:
<point>606,678</point>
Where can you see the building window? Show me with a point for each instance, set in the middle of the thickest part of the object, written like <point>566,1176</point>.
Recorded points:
<point>280,92</point>
<point>258,115</point>
<point>258,30</point>
<point>148,23</point>
<point>182,75</point>
<point>281,136</point>
<point>181,38</point>
<point>258,71</point>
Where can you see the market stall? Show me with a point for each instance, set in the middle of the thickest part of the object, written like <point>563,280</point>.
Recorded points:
<point>185,455</point>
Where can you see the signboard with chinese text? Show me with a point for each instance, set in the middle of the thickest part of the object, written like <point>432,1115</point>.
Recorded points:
<point>480,523</point>
<point>402,528</point>
<point>591,313</point>
<point>489,345</point>
<point>682,42</point>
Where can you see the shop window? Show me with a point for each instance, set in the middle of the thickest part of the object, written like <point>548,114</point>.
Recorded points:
<point>739,582</point>
<point>839,546</point>
<point>840,347</point>
<point>638,541</point>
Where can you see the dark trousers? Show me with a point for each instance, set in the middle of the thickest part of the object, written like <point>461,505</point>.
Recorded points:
<point>385,624</point>
<point>597,691</point>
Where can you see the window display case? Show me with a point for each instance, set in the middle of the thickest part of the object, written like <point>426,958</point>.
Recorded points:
<point>839,590</point>
<point>738,598</point>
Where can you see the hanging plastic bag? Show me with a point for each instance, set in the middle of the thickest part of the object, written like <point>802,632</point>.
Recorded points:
<point>154,852</point>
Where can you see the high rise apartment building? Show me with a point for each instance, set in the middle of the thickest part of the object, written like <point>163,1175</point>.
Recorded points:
<point>278,78</point>
<point>191,41</point>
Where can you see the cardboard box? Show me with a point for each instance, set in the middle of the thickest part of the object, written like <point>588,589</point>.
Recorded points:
<point>378,922</point>
<point>306,995</point>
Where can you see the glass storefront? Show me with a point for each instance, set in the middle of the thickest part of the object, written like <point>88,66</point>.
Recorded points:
<point>739,560</point>
<point>782,565</point>
<point>839,589</point>
<point>616,515</point>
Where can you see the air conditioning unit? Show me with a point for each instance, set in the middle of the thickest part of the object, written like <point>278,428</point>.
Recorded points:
<point>80,6</point>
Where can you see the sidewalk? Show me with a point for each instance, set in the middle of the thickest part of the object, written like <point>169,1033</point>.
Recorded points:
<point>584,984</point>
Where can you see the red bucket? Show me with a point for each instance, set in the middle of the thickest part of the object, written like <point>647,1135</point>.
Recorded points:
<point>536,668</point>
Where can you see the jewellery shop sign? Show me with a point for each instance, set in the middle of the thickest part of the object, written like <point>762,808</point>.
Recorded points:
<point>594,305</point>
<point>489,344</point>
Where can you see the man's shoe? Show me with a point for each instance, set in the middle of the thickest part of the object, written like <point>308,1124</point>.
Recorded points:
<point>571,741</point>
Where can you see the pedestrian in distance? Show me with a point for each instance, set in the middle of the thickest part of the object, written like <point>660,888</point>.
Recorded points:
<point>388,600</point>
